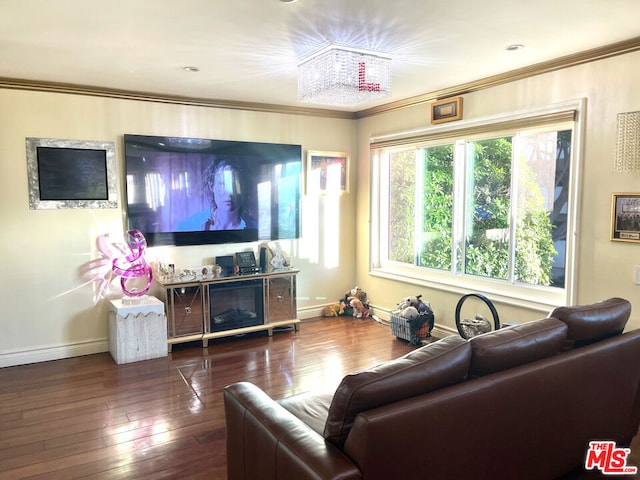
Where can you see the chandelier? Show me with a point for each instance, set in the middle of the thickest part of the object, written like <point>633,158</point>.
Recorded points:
<point>344,77</point>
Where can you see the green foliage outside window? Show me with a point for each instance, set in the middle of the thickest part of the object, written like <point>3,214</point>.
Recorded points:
<point>535,251</point>
<point>401,206</point>
<point>488,204</point>
<point>437,207</point>
<point>488,208</point>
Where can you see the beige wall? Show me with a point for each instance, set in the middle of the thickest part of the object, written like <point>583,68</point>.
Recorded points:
<point>605,268</point>
<point>50,309</point>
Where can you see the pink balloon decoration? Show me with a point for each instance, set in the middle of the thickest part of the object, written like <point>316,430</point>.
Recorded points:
<point>134,265</point>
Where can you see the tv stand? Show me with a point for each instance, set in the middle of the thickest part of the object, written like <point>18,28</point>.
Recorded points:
<point>200,308</point>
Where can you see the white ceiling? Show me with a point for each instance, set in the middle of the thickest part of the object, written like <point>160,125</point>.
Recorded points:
<point>248,50</point>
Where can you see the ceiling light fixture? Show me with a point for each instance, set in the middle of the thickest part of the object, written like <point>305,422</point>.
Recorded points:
<point>343,76</point>
<point>515,46</point>
<point>191,69</point>
<point>627,157</point>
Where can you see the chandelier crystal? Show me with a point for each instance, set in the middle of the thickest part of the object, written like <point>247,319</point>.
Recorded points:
<point>344,77</point>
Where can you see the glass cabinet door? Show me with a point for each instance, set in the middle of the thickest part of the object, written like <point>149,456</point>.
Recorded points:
<point>281,298</point>
<point>185,307</point>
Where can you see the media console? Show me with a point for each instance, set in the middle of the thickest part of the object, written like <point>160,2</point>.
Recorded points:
<point>200,307</point>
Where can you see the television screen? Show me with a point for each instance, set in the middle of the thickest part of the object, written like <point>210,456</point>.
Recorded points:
<point>194,191</point>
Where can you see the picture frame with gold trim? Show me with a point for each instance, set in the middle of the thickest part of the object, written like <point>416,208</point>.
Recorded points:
<point>447,110</point>
<point>327,173</point>
<point>625,217</point>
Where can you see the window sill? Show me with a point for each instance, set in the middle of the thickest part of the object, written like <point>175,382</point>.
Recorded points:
<point>542,299</point>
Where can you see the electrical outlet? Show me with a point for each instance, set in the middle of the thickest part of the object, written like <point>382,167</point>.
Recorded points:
<point>636,275</point>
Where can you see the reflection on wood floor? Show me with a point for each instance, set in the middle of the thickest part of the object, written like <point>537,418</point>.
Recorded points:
<point>88,418</point>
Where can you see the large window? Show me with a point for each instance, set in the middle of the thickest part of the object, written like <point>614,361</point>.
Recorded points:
<point>485,207</point>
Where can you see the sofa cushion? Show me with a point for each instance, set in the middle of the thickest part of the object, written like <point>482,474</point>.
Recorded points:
<point>590,323</point>
<point>310,407</point>
<point>516,345</point>
<point>428,368</point>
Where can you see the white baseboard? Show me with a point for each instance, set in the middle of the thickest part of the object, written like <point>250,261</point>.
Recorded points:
<point>310,312</point>
<point>380,314</point>
<point>45,354</point>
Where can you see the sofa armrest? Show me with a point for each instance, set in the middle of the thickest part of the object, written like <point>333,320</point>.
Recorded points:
<point>268,442</point>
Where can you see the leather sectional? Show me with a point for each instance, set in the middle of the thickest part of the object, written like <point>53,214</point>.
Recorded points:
<point>522,402</point>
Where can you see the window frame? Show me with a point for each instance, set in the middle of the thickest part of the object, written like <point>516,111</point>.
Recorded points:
<point>535,297</point>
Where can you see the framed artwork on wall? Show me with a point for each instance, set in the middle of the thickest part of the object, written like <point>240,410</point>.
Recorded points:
<point>327,173</point>
<point>625,217</point>
<point>446,110</point>
<point>71,174</point>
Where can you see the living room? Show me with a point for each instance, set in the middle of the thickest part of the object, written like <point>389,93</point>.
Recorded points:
<point>53,308</point>
<point>56,285</point>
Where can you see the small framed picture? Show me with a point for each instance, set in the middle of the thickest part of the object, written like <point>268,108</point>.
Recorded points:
<point>625,217</point>
<point>327,173</point>
<point>446,110</point>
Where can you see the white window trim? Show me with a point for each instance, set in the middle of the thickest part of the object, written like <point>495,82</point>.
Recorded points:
<point>533,297</point>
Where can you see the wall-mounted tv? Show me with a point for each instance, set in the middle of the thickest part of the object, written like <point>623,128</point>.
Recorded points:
<point>196,191</point>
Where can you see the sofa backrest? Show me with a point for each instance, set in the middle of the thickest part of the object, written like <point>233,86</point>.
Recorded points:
<point>434,366</point>
<point>453,360</point>
<point>530,422</point>
<point>591,323</point>
<point>516,345</point>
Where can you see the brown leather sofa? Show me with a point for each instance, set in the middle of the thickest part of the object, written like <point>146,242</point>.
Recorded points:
<point>518,403</point>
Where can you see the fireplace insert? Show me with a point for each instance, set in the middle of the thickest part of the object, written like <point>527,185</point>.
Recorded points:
<point>235,305</point>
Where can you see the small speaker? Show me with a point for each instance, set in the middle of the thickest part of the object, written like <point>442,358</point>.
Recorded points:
<point>263,259</point>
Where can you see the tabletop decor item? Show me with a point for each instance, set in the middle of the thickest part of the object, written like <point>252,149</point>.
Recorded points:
<point>133,267</point>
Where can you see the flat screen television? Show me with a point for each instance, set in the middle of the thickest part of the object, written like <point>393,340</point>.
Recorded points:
<point>196,191</point>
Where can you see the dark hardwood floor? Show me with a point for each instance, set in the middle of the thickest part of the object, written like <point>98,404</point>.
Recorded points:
<point>88,418</point>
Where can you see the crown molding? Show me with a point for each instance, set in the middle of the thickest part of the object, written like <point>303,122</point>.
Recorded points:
<point>72,89</point>
<point>587,56</point>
